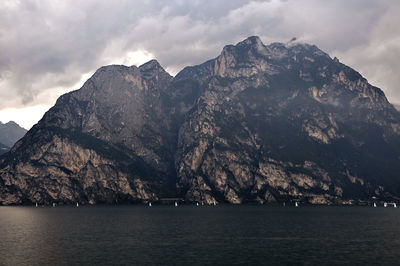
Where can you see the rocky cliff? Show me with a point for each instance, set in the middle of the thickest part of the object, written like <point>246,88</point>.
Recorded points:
<point>259,123</point>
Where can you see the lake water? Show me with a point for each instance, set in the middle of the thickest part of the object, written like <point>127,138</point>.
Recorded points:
<point>190,235</point>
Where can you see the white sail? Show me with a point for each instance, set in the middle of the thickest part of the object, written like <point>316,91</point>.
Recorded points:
<point>374,205</point>
<point>176,204</point>
<point>296,204</point>
<point>77,204</point>
<point>149,204</point>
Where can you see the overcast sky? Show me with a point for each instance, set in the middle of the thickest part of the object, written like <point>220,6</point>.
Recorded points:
<point>49,47</point>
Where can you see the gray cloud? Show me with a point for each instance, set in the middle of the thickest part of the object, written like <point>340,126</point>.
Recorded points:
<point>46,46</point>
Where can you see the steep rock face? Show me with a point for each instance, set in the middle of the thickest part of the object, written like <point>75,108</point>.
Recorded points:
<point>259,123</point>
<point>107,142</point>
<point>284,122</point>
<point>122,106</point>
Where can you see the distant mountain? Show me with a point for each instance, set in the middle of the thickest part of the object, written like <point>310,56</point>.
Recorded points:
<point>259,123</point>
<point>10,133</point>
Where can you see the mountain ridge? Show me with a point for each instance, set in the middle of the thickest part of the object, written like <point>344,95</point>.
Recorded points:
<point>10,133</point>
<point>258,123</point>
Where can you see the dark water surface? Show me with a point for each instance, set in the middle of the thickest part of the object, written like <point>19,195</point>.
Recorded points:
<point>190,235</point>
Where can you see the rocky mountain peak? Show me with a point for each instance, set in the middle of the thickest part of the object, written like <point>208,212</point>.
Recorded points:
<point>152,65</point>
<point>10,124</point>
<point>145,77</point>
<point>152,70</point>
<point>252,41</point>
<point>101,79</point>
<point>251,56</point>
<point>251,46</point>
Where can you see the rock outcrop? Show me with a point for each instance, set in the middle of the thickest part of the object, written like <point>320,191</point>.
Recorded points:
<point>259,123</point>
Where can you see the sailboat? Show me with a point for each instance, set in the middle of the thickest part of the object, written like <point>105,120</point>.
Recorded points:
<point>54,204</point>
<point>395,205</point>
<point>296,204</point>
<point>374,205</point>
<point>77,204</point>
<point>385,204</point>
<point>149,204</point>
<point>284,204</point>
<point>176,204</point>
<point>36,205</point>
<point>197,204</point>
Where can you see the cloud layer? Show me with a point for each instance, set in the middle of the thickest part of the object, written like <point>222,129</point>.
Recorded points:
<point>49,47</point>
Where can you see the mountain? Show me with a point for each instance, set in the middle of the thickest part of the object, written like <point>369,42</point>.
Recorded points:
<point>283,122</point>
<point>259,123</point>
<point>10,133</point>
<point>397,107</point>
<point>109,141</point>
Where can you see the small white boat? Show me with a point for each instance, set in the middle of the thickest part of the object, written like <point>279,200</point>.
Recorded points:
<point>54,204</point>
<point>77,204</point>
<point>374,205</point>
<point>296,204</point>
<point>197,204</point>
<point>149,204</point>
<point>36,205</point>
<point>176,204</point>
<point>385,204</point>
<point>395,205</point>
